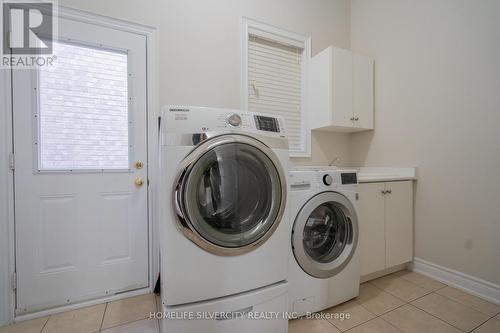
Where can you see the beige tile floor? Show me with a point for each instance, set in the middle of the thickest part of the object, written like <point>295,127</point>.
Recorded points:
<point>403,302</point>
<point>129,315</point>
<point>407,302</point>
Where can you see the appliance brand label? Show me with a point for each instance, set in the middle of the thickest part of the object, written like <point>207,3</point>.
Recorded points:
<point>181,117</point>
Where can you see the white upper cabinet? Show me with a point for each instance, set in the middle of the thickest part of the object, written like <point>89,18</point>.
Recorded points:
<point>341,90</point>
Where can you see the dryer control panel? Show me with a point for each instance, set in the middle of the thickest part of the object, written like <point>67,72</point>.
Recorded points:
<point>188,119</point>
<point>269,124</point>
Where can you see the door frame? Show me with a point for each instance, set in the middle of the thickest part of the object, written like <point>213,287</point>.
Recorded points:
<point>7,213</point>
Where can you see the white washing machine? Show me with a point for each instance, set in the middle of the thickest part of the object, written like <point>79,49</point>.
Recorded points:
<point>223,219</point>
<point>324,264</point>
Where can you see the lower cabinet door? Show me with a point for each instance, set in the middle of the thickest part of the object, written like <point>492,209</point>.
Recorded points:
<point>399,222</point>
<point>371,227</point>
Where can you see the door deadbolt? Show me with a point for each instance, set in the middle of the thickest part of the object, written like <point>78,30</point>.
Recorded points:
<point>139,165</point>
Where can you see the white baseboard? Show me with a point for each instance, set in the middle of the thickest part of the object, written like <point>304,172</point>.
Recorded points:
<point>64,308</point>
<point>459,280</point>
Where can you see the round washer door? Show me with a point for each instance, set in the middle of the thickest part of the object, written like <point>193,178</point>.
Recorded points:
<point>325,234</point>
<point>230,194</point>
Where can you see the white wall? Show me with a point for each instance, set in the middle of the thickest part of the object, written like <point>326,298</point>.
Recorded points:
<point>438,107</point>
<point>200,46</point>
<point>199,52</point>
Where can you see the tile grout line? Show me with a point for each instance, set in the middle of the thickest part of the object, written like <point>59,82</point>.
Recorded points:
<point>329,322</point>
<point>397,307</point>
<point>403,300</point>
<point>391,324</point>
<point>494,317</point>
<point>360,324</point>
<point>410,303</point>
<point>444,321</point>
<point>466,305</point>
<point>127,323</point>
<point>475,328</point>
<point>406,303</point>
<point>416,307</point>
<point>380,315</point>
<point>355,301</point>
<point>43,327</point>
<point>103,315</point>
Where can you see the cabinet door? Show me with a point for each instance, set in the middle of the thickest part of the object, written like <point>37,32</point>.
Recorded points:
<point>362,90</point>
<point>399,222</point>
<point>342,88</point>
<point>371,227</point>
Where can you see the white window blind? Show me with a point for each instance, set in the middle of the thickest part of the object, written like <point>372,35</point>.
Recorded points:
<point>275,85</point>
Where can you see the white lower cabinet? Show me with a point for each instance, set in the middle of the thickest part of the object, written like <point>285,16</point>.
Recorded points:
<point>371,227</point>
<point>386,225</point>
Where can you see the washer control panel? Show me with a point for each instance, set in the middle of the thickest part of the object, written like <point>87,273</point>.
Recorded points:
<point>348,178</point>
<point>327,180</point>
<point>335,179</point>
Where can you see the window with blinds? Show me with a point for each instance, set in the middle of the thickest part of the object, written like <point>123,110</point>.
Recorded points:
<point>275,85</point>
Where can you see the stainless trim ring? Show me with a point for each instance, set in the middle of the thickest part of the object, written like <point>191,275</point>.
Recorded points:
<point>184,170</point>
<point>308,264</point>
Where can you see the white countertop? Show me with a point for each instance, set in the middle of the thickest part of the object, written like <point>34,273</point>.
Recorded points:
<point>383,174</point>
<point>371,174</point>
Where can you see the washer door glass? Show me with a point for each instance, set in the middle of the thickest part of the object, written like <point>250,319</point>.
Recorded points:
<point>326,233</point>
<point>232,195</point>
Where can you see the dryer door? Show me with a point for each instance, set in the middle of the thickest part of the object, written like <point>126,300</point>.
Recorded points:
<point>230,194</point>
<point>325,234</point>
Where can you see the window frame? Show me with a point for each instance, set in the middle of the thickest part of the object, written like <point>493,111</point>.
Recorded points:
<point>36,116</point>
<point>275,34</point>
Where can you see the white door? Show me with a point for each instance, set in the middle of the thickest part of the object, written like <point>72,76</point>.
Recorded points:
<point>342,87</point>
<point>362,91</point>
<point>79,141</point>
<point>371,227</point>
<point>399,222</point>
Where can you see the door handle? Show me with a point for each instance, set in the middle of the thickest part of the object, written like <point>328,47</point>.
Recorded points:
<point>139,181</point>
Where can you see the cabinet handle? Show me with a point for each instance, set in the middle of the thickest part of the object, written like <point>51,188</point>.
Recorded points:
<point>357,118</point>
<point>353,119</point>
<point>383,192</point>
<point>389,191</point>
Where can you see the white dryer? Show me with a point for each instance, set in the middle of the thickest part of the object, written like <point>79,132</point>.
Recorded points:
<point>223,223</point>
<point>324,264</point>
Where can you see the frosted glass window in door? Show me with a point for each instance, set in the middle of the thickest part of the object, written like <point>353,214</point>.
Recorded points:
<point>83,109</point>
